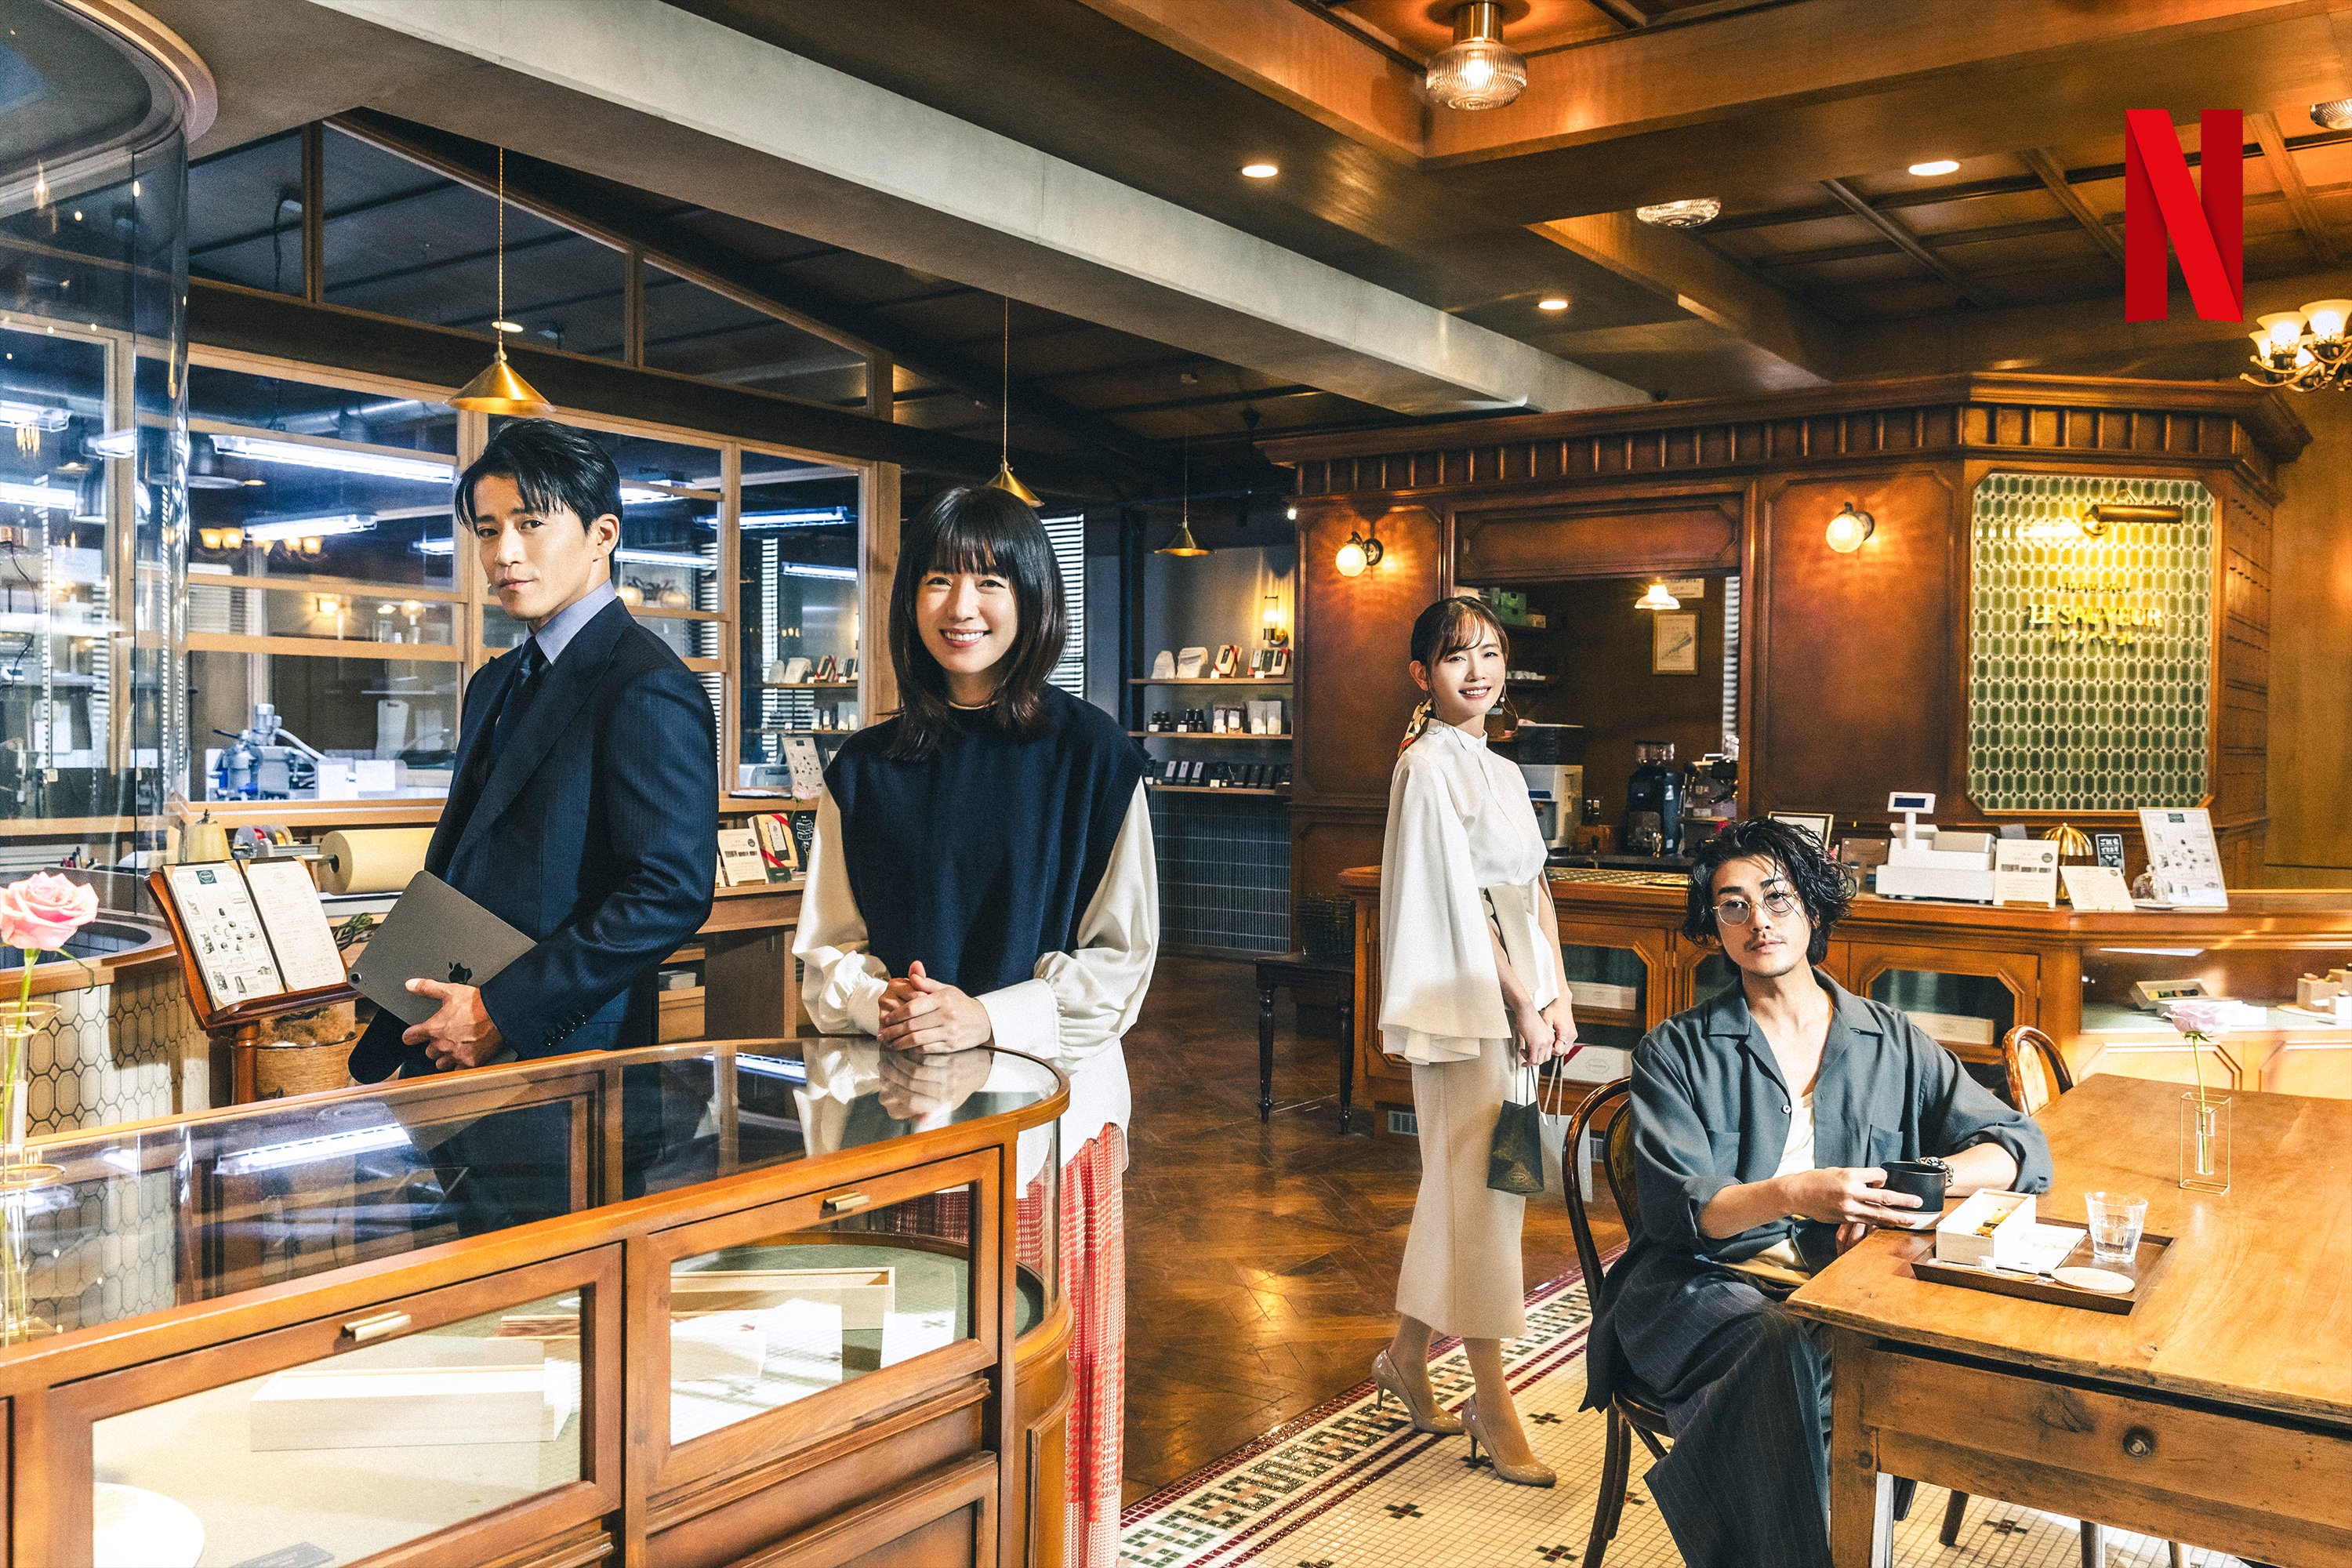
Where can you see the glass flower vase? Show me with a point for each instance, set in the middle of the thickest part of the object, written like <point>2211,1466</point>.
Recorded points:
<point>19,1022</point>
<point>2205,1143</point>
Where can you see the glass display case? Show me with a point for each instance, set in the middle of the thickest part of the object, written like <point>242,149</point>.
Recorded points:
<point>92,340</point>
<point>830,1228</point>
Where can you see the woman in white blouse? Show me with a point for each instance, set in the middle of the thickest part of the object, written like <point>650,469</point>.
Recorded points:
<point>1470,992</point>
<point>982,874</point>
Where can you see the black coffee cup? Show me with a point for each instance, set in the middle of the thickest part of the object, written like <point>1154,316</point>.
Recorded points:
<point>1924,1179</point>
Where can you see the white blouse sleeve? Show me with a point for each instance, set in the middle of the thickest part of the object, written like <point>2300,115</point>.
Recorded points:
<point>1440,993</point>
<point>843,983</point>
<point>1080,1002</point>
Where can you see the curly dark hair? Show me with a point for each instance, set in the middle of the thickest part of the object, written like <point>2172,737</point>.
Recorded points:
<point>1820,885</point>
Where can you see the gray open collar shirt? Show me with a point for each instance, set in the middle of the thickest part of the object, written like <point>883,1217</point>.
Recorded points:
<point>1710,1111</point>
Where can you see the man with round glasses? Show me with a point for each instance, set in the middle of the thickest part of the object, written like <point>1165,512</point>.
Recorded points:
<point>1760,1121</point>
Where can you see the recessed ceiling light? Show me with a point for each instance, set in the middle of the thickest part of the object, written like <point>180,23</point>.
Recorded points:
<point>1552,302</point>
<point>1260,171</point>
<point>1936,166</point>
<point>2335,114</point>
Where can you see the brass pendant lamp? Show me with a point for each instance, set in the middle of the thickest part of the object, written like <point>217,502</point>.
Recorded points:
<point>1004,479</point>
<point>1184,544</point>
<point>500,388</point>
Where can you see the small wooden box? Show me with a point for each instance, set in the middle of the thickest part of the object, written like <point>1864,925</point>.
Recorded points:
<point>1988,1227</point>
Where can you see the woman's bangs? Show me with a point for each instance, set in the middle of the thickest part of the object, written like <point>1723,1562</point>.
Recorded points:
<point>966,543</point>
<point>1463,627</point>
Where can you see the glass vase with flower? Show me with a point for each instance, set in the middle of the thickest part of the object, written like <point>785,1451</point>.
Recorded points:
<point>2204,1115</point>
<point>39,913</point>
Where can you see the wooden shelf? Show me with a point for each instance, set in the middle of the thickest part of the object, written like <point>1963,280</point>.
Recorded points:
<point>1200,736</point>
<point>1531,680</point>
<point>1214,680</point>
<point>807,685</point>
<point>1217,789</point>
<point>786,729</point>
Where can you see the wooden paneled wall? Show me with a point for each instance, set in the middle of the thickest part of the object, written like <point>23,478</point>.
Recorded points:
<point>1856,665</point>
<point>2310,794</point>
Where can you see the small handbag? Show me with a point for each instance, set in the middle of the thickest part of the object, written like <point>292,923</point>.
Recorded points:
<point>1515,1162</point>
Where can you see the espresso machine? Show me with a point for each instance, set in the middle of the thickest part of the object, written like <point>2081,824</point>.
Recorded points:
<point>1654,801</point>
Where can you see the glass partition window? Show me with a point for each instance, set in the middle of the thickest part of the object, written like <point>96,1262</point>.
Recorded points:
<point>338,1459</point>
<point>800,614</point>
<point>323,628</point>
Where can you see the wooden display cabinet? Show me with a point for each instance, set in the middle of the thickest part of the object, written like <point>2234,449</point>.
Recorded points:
<point>710,1306</point>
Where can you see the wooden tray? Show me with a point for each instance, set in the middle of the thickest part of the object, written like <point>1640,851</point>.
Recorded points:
<point>2143,1268</point>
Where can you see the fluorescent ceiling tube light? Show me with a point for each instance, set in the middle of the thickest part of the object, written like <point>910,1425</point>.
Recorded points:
<point>665,558</point>
<point>806,517</point>
<point>113,444</point>
<point>772,1066</point>
<point>435,547</point>
<point>830,574</point>
<point>337,459</point>
<point>270,529</point>
<point>31,415</point>
<point>62,499</point>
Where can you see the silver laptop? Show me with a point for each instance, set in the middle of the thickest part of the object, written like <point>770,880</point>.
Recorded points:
<point>434,932</point>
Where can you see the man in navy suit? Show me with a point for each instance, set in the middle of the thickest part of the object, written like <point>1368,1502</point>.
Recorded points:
<point>585,806</point>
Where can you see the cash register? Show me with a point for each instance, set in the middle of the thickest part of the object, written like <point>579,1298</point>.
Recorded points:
<point>1936,863</point>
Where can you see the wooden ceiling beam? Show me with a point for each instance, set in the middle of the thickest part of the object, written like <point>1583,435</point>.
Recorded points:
<point>1907,242</point>
<point>2053,179</point>
<point>2264,125</point>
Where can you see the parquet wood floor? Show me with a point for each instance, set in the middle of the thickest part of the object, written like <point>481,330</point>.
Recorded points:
<point>1261,1259</point>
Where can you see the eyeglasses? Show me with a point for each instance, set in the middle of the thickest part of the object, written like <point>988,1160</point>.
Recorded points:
<point>1740,912</point>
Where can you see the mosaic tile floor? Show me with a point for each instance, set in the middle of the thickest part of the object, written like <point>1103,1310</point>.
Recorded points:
<point>1349,1486</point>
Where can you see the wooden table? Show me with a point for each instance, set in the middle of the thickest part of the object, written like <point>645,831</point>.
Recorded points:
<point>2219,1413</point>
<point>1315,976</point>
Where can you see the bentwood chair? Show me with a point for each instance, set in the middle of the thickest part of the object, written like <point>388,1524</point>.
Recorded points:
<point>2038,1074</point>
<point>1629,1415</point>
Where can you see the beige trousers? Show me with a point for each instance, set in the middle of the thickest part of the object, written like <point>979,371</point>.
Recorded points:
<point>1462,1271</point>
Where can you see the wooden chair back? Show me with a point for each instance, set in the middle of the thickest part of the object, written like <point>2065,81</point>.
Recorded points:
<point>1617,1166</point>
<point>2037,1068</point>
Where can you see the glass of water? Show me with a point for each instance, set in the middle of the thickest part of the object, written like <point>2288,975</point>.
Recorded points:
<point>2116,1221</point>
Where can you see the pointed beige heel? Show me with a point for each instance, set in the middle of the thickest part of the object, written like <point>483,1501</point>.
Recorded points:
<point>1391,1382</point>
<point>1527,1475</point>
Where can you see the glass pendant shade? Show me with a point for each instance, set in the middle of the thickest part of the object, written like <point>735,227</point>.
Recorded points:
<point>1477,70</point>
<point>1655,597</point>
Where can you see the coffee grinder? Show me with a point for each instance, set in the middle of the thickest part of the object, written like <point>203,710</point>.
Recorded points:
<point>1653,801</point>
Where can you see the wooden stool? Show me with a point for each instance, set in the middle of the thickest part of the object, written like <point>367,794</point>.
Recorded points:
<point>1314,977</point>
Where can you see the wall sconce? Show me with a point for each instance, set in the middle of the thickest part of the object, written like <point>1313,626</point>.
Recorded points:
<point>221,538</point>
<point>1362,549</point>
<point>1655,597</point>
<point>1276,635</point>
<point>1850,529</point>
<point>311,544</point>
<point>329,603</point>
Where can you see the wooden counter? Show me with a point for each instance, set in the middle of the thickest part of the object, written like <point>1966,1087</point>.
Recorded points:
<point>1968,972</point>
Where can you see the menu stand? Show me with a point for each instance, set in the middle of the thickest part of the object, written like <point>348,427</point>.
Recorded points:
<point>239,1026</point>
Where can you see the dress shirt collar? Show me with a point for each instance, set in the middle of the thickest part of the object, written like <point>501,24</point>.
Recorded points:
<point>1727,1014</point>
<point>565,624</point>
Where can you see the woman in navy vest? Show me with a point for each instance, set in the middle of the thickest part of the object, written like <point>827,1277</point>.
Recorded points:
<point>982,874</point>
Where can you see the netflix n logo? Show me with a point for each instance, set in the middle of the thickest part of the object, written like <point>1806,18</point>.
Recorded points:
<point>2204,222</point>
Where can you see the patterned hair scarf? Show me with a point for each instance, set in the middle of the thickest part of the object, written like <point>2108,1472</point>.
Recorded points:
<point>1420,722</point>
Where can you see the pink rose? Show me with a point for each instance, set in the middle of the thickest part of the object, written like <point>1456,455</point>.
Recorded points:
<point>43,911</point>
<point>2209,1019</point>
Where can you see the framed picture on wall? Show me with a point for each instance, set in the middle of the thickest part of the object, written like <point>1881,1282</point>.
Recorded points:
<point>1673,643</point>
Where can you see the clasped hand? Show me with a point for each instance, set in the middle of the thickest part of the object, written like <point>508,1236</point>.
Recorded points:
<point>1545,1033</point>
<point>921,1013</point>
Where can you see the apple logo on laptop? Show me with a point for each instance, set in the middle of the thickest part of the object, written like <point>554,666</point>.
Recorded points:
<point>459,974</point>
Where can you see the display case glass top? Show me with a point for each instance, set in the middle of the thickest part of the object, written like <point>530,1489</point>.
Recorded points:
<point>153,1216</point>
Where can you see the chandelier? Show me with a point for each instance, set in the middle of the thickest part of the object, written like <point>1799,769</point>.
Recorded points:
<point>2305,348</point>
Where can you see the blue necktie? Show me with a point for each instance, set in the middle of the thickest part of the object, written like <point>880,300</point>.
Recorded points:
<point>520,692</point>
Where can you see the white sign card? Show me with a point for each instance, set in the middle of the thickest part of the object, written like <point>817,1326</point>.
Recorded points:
<point>231,950</point>
<point>739,858</point>
<point>296,924</point>
<point>2025,871</point>
<point>2183,860</point>
<point>2098,887</point>
<point>807,767</point>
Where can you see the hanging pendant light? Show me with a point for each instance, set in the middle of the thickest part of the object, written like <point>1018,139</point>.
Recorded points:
<point>1184,543</point>
<point>500,388</point>
<point>1004,479</point>
<point>1477,70</point>
<point>1656,597</point>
